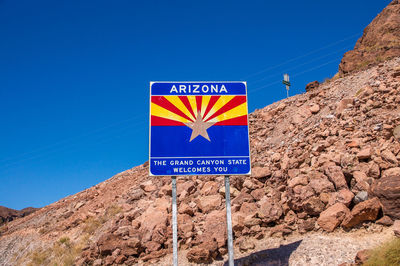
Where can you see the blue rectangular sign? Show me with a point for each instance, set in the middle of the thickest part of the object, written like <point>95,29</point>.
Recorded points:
<point>199,128</point>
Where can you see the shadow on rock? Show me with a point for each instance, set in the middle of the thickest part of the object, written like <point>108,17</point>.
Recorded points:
<point>269,257</point>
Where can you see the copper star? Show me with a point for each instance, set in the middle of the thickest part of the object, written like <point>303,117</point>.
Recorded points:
<point>199,127</point>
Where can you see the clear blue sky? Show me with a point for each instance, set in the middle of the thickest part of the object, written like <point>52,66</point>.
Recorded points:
<point>74,75</point>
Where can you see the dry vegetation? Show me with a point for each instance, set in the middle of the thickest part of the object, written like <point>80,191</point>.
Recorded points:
<point>63,252</point>
<point>387,254</point>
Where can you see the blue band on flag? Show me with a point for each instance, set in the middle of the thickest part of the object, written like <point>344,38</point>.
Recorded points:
<point>200,166</point>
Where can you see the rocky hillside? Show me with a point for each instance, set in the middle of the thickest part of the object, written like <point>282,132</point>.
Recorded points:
<point>379,42</point>
<point>7,215</point>
<point>321,160</point>
<point>324,162</point>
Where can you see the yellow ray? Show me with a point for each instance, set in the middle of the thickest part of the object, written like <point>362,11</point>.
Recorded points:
<point>234,112</point>
<point>221,102</point>
<point>204,102</point>
<point>179,104</point>
<point>192,101</point>
<point>162,112</point>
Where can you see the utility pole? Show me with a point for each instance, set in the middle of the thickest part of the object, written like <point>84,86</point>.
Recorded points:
<point>287,83</point>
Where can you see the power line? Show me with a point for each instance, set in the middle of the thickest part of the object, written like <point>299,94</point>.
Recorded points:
<point>297,74</point>
<point>301,56</point>
<point>93,132</point>
<point>299,65</point>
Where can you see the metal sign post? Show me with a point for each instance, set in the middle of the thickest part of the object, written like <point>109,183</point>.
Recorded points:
<point>229,220</point>
<point>199,128</point>
<point>287,83</point>
<point>174,224</point>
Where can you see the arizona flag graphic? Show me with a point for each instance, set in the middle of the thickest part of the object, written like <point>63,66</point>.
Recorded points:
<point>199,128</point>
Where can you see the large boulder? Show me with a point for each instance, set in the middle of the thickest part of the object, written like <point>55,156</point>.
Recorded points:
<point>364,211</point>
<point>387,189</point>
<point>333,216</point>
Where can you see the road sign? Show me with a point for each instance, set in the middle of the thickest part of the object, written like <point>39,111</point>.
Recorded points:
<point>199,128</point>
<point>287,83</point>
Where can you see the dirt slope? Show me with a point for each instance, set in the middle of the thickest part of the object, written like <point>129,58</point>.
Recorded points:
<point>317,158</point>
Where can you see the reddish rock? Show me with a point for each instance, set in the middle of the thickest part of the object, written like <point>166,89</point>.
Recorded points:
<point>152,246</point>
<point>312,86</point>
<point>307,225</point>
<point>321,185</point>
<point>314,108</point>
<point>186,226</point>
<point>396,133</point>
<point>245,244</point>
<point>364,154</point>
<point>313,206</point>
<point>336,175</point>
<point>333,216</point>
<point>344,196</point>
<point>199,255</point>
<point>385,220</point>
<point>362,180</point>
<point>298,180</point>
<point>248,208</point>
<point>209,203</point>
<point>343,104</point>
<point>387,189</point>
<point>210,188</point>
<point>215,228</point>
<point>391,172</point>
<point>396,228</point>
<point>242,197</point>
<point>269,211</point>
<point>154,221</point>
<point>260,172</point>
<point>107,243</point>
<point>362,256</point>
<point>364,211</point>
<point>389,157</point>
<point>258,194</point>
<point>185,209</point>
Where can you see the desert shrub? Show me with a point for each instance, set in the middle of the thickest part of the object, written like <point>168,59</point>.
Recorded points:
<point>62,252</point>
<point>387,254</point>
<point>91,224</point>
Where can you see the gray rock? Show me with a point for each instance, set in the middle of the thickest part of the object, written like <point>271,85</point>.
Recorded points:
<point>361,196</point>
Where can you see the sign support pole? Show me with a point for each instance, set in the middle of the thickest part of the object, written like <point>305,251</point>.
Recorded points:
<point>174,224</point>
<point>229,220</point>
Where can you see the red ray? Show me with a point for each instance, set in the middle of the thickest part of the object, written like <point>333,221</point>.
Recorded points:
<point>237,100</point>
<point>163,102</point>
<point>237,121</point>
<point>186,102</point>
<point>161,121</point>
<point>211,103</point>
<point>198,103</point>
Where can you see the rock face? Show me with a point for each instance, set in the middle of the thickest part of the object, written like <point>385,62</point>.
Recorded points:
<point>379,42</point>
<point>7,215</point>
